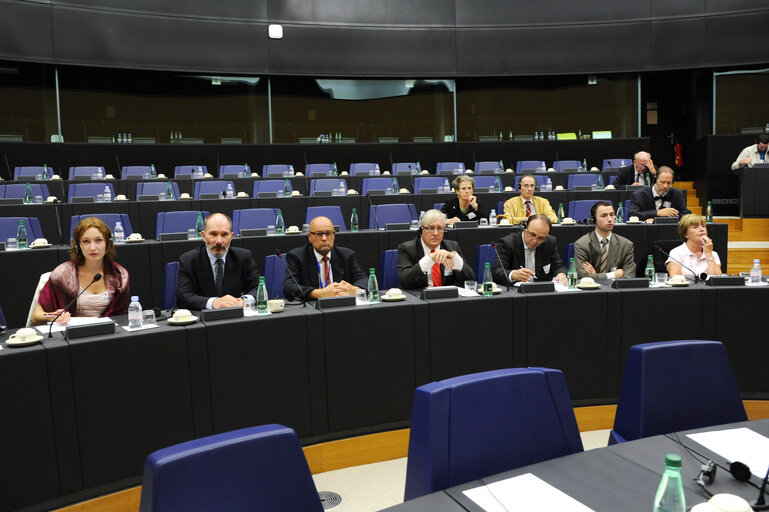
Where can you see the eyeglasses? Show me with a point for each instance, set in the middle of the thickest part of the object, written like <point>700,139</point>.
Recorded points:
<point>434,229</point>
<point>537,238</point>
<point>321,234</point>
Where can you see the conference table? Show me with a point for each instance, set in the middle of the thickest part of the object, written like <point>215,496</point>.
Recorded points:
<point>619,477</point>
<point>80,416</point>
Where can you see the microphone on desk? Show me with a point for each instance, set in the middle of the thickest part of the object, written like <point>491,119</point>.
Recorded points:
<point>507,275</point>
<point>760,503</point>
<point>279,254</point>
<point>373,210</point>
<point>95,278</point>
<point>697,277</point>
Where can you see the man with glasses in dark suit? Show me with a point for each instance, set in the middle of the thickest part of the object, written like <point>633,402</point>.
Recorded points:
<point>322,269</point>
<point>529,255</point>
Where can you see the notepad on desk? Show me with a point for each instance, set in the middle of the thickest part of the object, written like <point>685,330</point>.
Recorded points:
<point>742,444</point>
<point>524,492</point>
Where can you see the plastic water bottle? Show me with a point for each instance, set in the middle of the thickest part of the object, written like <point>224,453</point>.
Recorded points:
<point>199,225</point>
<point>649,271</point>
<point>419,168</point>
<point>342,188</point>
<point>620,213</point>
<point>261,297</point>
<point>280,224</point>
<point>354,224</point>
<point>118,233</point>
<point>130,139</point>
<point>287,188</point>
<point>670,493</point>
<point>169,191</point>
<point>134,313</point>
<point>46,176</point>
<point>488,282</point>
<point>549,185</point>
<point>28,198</point>
<point>107,194</point>
<point>446,187</point>
<point>199,173</point>
<point>396,187</point>
<point>571,275</point>
<point>153,172</point>
<point>755,272</point>
<point>373,287</point>
<point>21,235</point>
<point>230,192</point>
<point>119,138</point>
<point>709,212</point>
<point>493,217</point>
<point>100,173</point>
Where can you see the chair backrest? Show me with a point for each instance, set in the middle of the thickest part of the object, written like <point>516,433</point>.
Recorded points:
<point>35,296</point>
<point>483,183</point>
<point>567,165</point>
<point>212,187</point>
<point>332,212</point>
<point>484,253</point>
<point>377,184</point>
<point>388,270</point>
<point>473,426</point>
<point>176,222</point>
<point>427,182</point>
<point>155,188</point>
<point>615,163</point>
<point>489,166</point>
<point>27,171</point>
<point>135,170</point>
<point>581,180</point>
<point>580,210</point>
<point>274,272</point>
<point>326,184</point>
<point>19,190</point>
<point>188,170</point>
<point>253,218</point>
<point>88,190</point>
<point>9,228</point>
<point>540,179</point>
<point>3,322</point>
<point>86,170</point>
<point>449,168</point>
<point>390,213</point>
<point>625,208</point>
<point>568,254</point>
<point>676,385</point>
<point>658,257</point>
<point>269,170</point>
<point>170,279</point>
<point>404,168</point>
<point>364,168</point>
<point>319,169</point>
<point>438,206</point>
<point>108,218</point>
<point>271,186</point>
<point>234,171</point>
<point>256,468</point>
<point>529,165</point>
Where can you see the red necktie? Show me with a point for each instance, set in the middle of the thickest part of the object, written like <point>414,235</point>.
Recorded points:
<point>325,271</point>
<point>528,209</point>
<point>436,271</point>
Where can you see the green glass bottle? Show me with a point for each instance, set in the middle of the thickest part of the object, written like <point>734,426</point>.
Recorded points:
<point>488,282</point>
<point>571,275</point>
<point>649,271</point>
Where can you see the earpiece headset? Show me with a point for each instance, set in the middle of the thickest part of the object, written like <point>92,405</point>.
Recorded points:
<point>79,251</point>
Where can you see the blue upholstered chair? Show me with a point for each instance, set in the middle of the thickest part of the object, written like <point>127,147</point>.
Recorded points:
<point>428,182</point>
<point>28,172</point>
<point>332,212</point>
<point>170,279</point>
<point>154,188</point>
<point>615,163</point>
<point>19,190</point>
<point>110,219</point>
<point>670,386</point>
<point>581,180</point>
<point>469,427</point>
<point>525,166</point>
<point>483,183</point>
<point>383,183</point>
<point>256,468</point>
<point>489,167</point>
<point>442,168</point>
<point>274,272</point>
<point>569,253</point>
<point>231,171</point>
<point>276,186</point>
<point>176,222</point>
<point>253,218</point>
<point>188,170</point>
<point>390,214</point>
<point>580,210</point>
<point>567,165</point>
<point>276,170</point>
<point>388,270</point>
<point>405,168</point>
<point>212,187</point>
<point>484,253</point>
<point>326,185</point>
<point>85,171</point>
<point>9,227</point>
<point>364,169</point>
<point>319,170</point>
<point>88,190</point>
<point>135,170</point>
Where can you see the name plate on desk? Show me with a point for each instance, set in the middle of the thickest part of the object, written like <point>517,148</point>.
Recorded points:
<point>439,292</point>
<point>83,331</point>
<point>375,192</point>
<point>252,232</point>
<point>209,196</point>
<point>167,237</point>
<point>465,224</point>
<point>536,287</point>
<point>148,197</point>
<point>725,281</point>
<point>82,199</point>
<point>268,195</point>
<point>397,226</point>
<point>222,313</point>
<point>323,193</point>
<point>428,190</point>
<point>634,187</point>
<point>81,177</point>
<point>12,200</point>
<point>137,177</point>
<point>666,220</point>
<point>334,302</point>
<point>631,282</point>
<point>583,188</point>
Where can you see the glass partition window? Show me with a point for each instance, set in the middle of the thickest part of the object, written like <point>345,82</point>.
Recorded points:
<point>27,102</point>
<point>740,101</point>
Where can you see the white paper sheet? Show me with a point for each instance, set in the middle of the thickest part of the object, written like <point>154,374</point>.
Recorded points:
<point>738,444</point>
<point>75,320</point>
<point>142,328</point>
<point>525,492</point>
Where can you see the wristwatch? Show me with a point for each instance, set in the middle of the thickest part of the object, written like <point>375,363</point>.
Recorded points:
<point>711,259</point>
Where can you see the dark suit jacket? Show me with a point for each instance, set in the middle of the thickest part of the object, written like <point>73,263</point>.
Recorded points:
<point>302,263</point>
<point>451,209</point>
<point>588,249</point>
<point>511,253</point>
<point>410,273</point>
<point>642,203</point>
<point>627,176</point>
<point>196,277</point>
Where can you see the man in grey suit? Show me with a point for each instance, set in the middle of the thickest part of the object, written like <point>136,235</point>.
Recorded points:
<point>600,251</point>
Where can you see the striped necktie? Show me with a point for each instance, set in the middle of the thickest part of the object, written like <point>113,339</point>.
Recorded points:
<point>528,209</point>
<point>219,276</point>
<point>604,254</point>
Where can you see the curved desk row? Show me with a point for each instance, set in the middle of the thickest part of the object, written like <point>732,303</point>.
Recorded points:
<point>81,416</point>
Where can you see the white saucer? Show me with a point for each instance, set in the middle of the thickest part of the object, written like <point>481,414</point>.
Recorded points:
<point>183,322</point>
<point>133,240</point>
<point>39,246</point>
<point>588,287</point>
<point>385,298</point>
<point>34,340</point>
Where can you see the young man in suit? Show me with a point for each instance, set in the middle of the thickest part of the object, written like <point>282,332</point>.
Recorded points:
<point>320,268</point>
<point>597,252</point>
<point>661,200</point>
<point>429,260</point>
<point>529,255</point>
<point>216,275</point>
<point>642,172</point>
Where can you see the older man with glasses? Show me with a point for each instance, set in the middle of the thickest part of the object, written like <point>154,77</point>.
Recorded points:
<point>322,269</point>
<point>429,260</point>
<point>532,254</point>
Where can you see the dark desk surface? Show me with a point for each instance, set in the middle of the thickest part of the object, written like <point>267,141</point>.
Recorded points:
<point>621,477</point>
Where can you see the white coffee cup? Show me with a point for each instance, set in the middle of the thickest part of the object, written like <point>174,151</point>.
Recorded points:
<point>39,241</point>
<point>394,293</point>
<point>23,335</point>
<point>276,305</point>
<point>135,236</point>
<point>723,503</point>
<point>182,315</point>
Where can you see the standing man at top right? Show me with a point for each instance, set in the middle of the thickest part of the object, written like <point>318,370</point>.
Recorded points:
<point>642,172</point>
<point>755,154</point>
